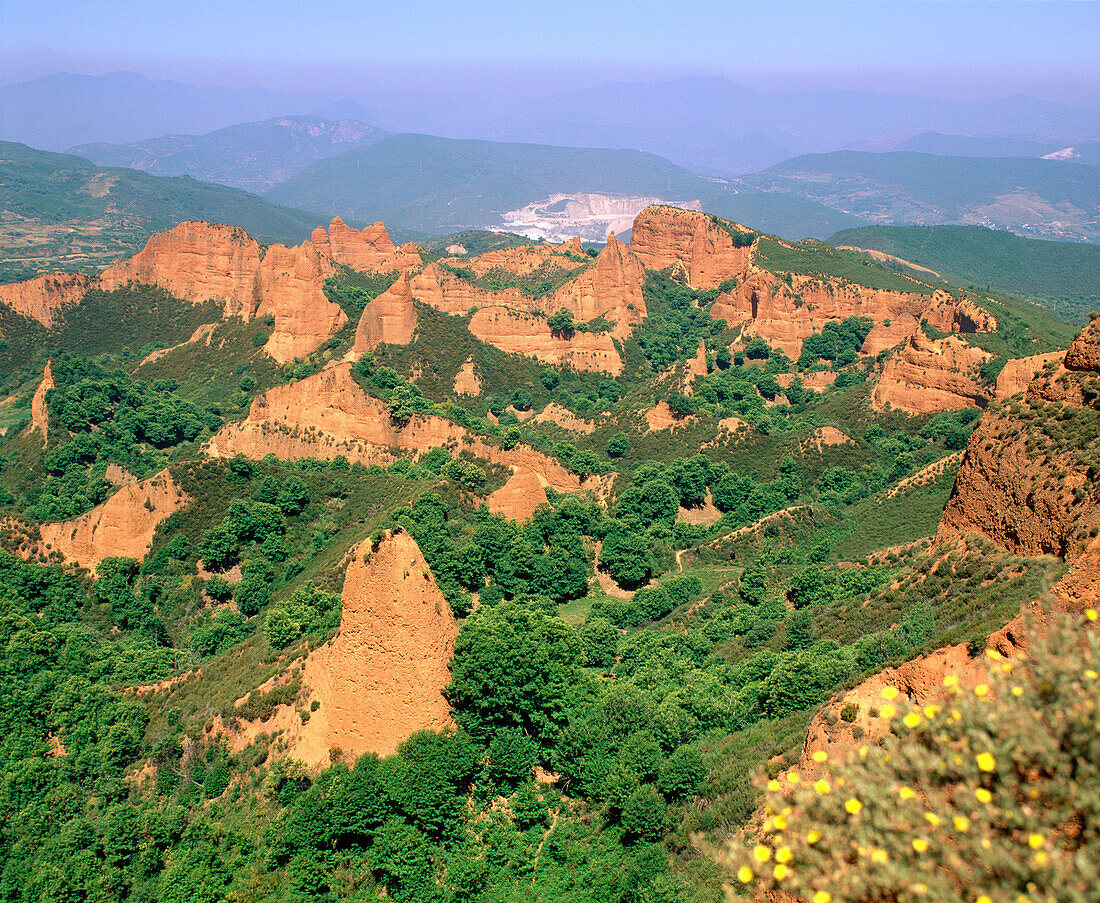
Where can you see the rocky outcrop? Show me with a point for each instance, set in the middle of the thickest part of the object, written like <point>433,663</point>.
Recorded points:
<point>930,375</point>
<point>526,259</point>
<point>1018,374</point>
<point>390,318</point>
<point>42,297</point>
<point>524,333</point>
<point>466,380</point>
<point>1084,352</point>
<point>380,679</point>
<point>696,244</point>
<point>40,416</point>
<point>289,285</point>
<point>563,417</point>
<point>662,417</point>
<point>122,527</point>
<point>328,415</point>
<point>611,288</point>
<point>367,249</point>
<point>197,262</point>
<point>520,496</point>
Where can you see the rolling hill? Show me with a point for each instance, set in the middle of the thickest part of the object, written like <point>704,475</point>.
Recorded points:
<point>443,185</point>
<point>254,156</point>
<point>63,212</point>
<point>1064,276</point>
<point>1042,198</point>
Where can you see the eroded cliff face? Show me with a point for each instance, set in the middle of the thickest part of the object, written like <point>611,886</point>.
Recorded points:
<point>1084,354</point>
<point>390,318</point>
<point>122,527</point>
<point>42,297</point>
<point>524,333</point>
<point>40,415</point>
<point>380,679</point>
<point>1018,374</point>
<point>367,249</point>
<point>690,242</point>
<point>611,288</point>
<point>930,375</point>
<point>525,259</point>
<point>197,262</point>
<point>519,498</point>
<point>328,415</point>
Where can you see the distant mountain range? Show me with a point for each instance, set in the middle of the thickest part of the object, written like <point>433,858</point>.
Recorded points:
<point>1038,197</point>
<point>709,125</point>
<point>254,156</point>
<point>1063,276</point>
<point>440,184</point>
<point>59,212</point>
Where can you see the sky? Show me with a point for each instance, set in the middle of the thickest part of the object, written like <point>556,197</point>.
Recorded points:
<point>964,51</point>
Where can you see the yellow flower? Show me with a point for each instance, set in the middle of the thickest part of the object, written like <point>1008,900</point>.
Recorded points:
<point>983,795</point>
<point>1091,675</point>
<point>1041,858</point>
<point>985,761</point>
<point>1090,613</point>
<point>781,872</point>
<point>956,715</point>
<point>907,793</point>
<point>887,711</point>
<point>1017,691</point>
<point>889,692</point>
<point>1035,841</point>
<point>879,856</point>
<point>813,837</point>
<point>920,889</point>
<point>823,896</point>
<point>931,711</point>
<point>983,899</point>
<point>853,806</point>
<point>932,819</point>
<point>744,874</point>
<point>981,690</point>
<point>822,787</point>
<point>793,777</point>
<point>920,844</point>
<point>864,751</point>
<point>821,756</point>
<point>962,823</point>
<point>773,786</point>
<point>952,680</point>
<point>761,853</point>
<point>993,654</point>
<point>780,823</point>
<point>912,720</point>
<point>783,854</point>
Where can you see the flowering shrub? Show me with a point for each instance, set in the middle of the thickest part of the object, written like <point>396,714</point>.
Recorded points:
<point>992,796</point>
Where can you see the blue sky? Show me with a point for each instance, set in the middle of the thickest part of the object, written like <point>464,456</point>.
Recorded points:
<point>964,50</point>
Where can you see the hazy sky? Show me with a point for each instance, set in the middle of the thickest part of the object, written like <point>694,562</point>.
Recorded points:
<point>965,50</point>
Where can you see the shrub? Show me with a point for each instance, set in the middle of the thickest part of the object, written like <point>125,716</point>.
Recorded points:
<point>618,445</point>
<point>986,797</point>
<point>643,815</point>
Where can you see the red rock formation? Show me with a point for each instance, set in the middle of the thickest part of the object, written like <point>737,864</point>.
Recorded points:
<point>669,237</point>
<point>930,375</point>
<point>328,415</point>
<point>1084,353</point>
<point>563,417</point>
<point>1018,374</point>
<point>197,262</point>
<point>368,249</point>
<point>380,679</point>
<point>523,333</point>
<point>289,284</point>
<point>122,527</point>
<point>42,297</point>
<point>525,259</point>
<point>391,318</point>
<point>520,496</point>
<point>466,381</point>
<point>611,288</point>
<point>451,294</point>
<point>40,416</point>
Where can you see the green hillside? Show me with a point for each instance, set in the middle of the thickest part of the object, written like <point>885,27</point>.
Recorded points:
<point>1044,198</point>
<point>1063,276</point>
<point>445,185</point>
<point>59,212</point>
